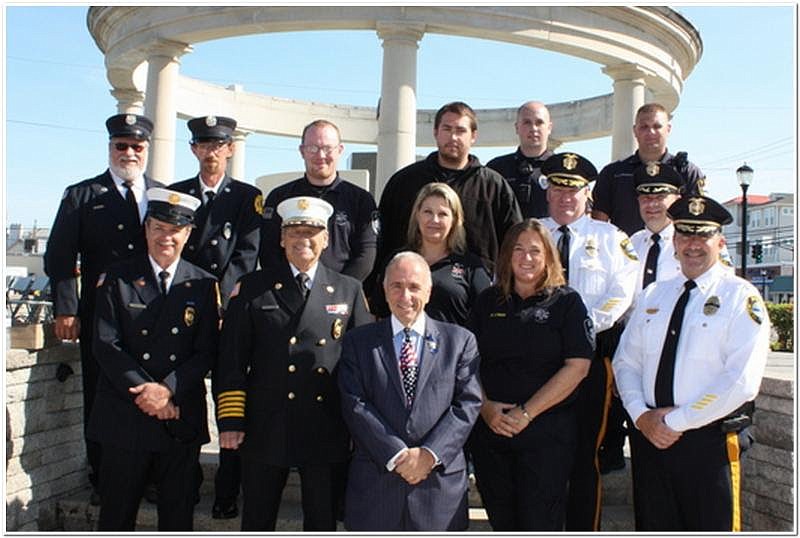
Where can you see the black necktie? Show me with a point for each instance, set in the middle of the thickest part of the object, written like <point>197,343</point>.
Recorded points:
<point>209,199</point>
<point>302,282</point>
<point>651,264</point>
<point>130,198</point>
<point>666,365</point>
<point>163,276</point>
<point>563,249</point>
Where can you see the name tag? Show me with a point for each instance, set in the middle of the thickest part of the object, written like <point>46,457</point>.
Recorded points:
<point>137,305</point>
<point>100,206</point>
<point>337,309</point>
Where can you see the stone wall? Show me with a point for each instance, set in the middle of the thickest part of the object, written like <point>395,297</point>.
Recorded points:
<point>45,454</point>
<point>768,483</point>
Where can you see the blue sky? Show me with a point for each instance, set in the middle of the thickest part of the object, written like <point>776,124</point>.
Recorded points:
<point>739,104</point>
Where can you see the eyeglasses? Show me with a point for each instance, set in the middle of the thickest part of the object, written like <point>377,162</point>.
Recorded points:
<point>212,145</point>
<point>313,150</point>
<point>122,146</point>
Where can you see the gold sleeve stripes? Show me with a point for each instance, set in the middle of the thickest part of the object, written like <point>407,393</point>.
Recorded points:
<point>230,404</point>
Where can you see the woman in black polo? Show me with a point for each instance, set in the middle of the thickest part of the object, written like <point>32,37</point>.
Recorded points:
<point>436,232</point>
<point>535,340</point>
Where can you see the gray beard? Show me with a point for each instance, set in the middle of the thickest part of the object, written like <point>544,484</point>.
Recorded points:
<point>127,174</point>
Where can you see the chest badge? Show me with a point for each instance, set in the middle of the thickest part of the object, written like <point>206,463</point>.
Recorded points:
<point>227,230</point>
<point>712,306</point>
<point>652,310</point>
<point>337,328</point>
<point>457,271</point>
<point>189,314</point>
<point>591,247</point>
<point>540,315</point>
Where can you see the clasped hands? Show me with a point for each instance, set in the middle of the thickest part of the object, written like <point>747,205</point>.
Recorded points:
<point>651,424</point>
<point>155,399</point>
<point>504,419</point>
<point>414,465</point>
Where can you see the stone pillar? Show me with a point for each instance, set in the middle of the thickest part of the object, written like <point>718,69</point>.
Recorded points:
<point>129,101</point>
<point>236,164</point>
<point>629,95</point>
<point>160,106</point>
<point>397,110</point>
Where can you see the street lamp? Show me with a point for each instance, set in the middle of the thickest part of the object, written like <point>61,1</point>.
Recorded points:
<point>744,174</point>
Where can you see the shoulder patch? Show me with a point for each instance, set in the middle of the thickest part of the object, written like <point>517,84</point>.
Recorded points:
<point>258,204</point>
<point>628,250</point>
<point>755,308</point>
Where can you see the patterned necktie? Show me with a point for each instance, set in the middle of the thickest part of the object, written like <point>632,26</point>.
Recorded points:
<point>162,277</point>
<point>651,264</point>
<point>302,282</point>
<point>130,198</point>
<point>666,366</point>
<point>563,249</point>
<point>408,366</point>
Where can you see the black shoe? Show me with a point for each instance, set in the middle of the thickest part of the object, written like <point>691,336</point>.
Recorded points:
<point>224,510</point>
<point>151,494</point>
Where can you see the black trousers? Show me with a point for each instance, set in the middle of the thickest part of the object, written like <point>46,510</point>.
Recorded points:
<point>523,480</point>
<point>124,475</point>
<point>694,485</point>
<point>228,478</point>
<point>89,372</point>
<point>584,499</point>
<point>262,488</point>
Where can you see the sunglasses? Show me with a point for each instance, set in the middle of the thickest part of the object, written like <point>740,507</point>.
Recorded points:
<point>122,146</point>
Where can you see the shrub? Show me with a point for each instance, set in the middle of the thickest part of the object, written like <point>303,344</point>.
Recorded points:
<point>782,318</point>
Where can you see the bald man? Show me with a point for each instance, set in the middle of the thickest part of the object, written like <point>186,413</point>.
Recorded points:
<point>523,168</point>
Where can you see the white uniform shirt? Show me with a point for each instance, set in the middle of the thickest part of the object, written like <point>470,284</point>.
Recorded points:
<point>667,266</point>
<point>602,268</point>
<point>721,355</point>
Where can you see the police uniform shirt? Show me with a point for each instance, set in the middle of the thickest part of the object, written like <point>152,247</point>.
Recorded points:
<point>137,187</point>
<point>523,174</point>
<point>523,342</point>
<point>457,280</point>
<point>352,230</point>
<point>721,354</point>
<point>667,266</point>
<point>602,268</point>
<point>615,194</point>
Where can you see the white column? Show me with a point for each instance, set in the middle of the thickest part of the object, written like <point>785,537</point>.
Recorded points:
<point>129,101</point>
<point>236,164</point>
<point>629,95</point>
<point>397,114</point>
<point>162,81</point>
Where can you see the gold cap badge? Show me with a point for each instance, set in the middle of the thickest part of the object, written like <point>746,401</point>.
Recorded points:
<point>570,161</point>
<point>696,206</point>
<point>652,169</point>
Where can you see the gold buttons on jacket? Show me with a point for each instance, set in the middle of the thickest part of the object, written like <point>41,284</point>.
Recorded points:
<point>293,340</point>
<point>146,356</point>
<point>144,332</point>
<point>292,368</point>
<point>320,398</point>
<point>130,246</point>
<point>172,357</point>
<point>321,342</point>
<point>321,370</point>
<point>291,396</point>
<point>120,226</point>
<point>214,242</point>
<point>174,330</point>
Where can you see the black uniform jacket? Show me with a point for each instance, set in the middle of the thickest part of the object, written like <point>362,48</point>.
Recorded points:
<point>523,174</point>
<point>95,221</point>
<point>352,230</point>
<point>142,336</point>
<point>276,377</point>
<point>490,206</point>
<point>225,240</point>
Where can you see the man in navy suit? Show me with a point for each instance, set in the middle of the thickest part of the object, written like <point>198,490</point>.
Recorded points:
<point>410,397</point>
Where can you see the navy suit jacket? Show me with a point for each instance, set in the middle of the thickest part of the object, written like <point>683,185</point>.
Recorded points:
<point>446,405</point>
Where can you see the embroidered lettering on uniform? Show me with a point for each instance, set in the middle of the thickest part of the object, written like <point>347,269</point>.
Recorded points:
<point>497,315</point>
<point>337,309</point>
<point>712,306</point>
<point>755,309</point>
